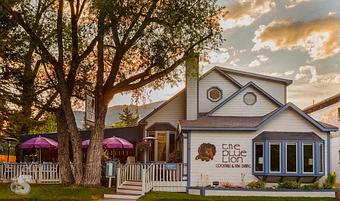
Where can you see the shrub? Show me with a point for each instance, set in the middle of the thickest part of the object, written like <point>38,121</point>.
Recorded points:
<point>289,185</point>
<point>175,157</point>
<point>330,181</point>
<point>227,185</point>
<point>315,185</point>
<point>256,185</point>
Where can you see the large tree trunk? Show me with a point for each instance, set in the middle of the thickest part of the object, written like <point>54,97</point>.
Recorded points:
<point>93,171</point>
<point>27,95</point>
<point>93,168</point>
<point>74,135</point>
<point>64,150</point>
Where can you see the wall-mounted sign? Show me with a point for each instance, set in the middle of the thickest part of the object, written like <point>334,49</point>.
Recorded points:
<point>171,166</point>
<point>206,152</point>
<point>233,156</point>
<point>90,108</point>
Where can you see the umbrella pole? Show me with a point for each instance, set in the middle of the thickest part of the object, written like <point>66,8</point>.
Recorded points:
<point>8,150</point>
<point>40,155</point>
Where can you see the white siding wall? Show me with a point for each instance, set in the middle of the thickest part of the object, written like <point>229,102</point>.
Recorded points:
<point>171,113</point>
<point>237,107</point>
<point>203,173</point>
<point>275,89</point>
<point>214,79</point>
<point>330,115</point>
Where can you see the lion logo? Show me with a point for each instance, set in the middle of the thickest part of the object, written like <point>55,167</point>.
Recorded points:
<point>206,152</point>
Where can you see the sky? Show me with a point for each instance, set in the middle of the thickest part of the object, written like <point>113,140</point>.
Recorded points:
<point>293,39</point>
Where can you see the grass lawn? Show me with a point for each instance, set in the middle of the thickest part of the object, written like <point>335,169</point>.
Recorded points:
<point>182,196</point>
<point>54,192</point>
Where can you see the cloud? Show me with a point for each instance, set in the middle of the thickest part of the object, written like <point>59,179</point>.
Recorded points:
<point>319,38</point>
<point>245,12</point>
<point>254,63</point>
<point>290,72</point>
<point>262,57</point>
<point>331,13</point>
<point>293,3</point>
<point>218,56</point>
<point>309,74</point>
<point>234,62</point>
<point>303,94</point>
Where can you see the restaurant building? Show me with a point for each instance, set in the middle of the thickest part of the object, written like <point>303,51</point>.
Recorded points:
<point>236,127</point>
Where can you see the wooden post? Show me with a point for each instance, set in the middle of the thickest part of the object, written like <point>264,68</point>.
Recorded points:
<point>143,181</point>
<point>118,178</point>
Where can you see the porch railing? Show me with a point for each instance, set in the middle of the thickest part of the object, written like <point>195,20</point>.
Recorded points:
<point>154,175</point>
<point>47,173</point>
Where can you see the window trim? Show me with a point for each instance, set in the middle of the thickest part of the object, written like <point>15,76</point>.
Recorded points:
<point>244,98</point>
<point>303,157</point>
<point>280,157</point>
<point>297,157</point>
<point>263,166</point>
<point>211,99</point>
<point>321,158</point>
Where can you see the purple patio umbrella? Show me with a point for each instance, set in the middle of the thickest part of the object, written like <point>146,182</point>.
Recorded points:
<point>111,143</point>
<point>39,143</point>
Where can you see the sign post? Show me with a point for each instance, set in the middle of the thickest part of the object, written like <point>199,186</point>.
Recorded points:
<point>110,171</point>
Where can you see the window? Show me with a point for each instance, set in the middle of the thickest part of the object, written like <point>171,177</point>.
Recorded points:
<point>321,161</point>
<point>339,113</point>
<point>161,143</point>
<point>291,158</point>
<point>172,142</point>
<point>275,157</point>
<point>249,98</point>
<point>308,158</point>
<point>214,94</point>
<point>258,157</point>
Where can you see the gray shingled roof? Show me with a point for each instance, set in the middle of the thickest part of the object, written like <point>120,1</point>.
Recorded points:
<point>223,122</point>
<point>277,135</point>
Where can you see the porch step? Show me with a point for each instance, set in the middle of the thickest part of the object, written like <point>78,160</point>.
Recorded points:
<point>121,196</point>
<point>129,191</point>
<point>131,187</point>
<point>133,182</point>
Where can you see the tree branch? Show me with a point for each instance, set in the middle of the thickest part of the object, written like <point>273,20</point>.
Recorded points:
<point>35,39</point>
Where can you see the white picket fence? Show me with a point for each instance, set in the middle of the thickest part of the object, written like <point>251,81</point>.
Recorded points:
<point>43,173</point>
<point>155,176</point>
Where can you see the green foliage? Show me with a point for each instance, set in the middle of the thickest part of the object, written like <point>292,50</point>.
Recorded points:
<point>175,157</point>
<point>167,196</point>
<point>47,125</point>
<point>55,192</point>
<point>289,185</point>
<point>256,185</point>
<point>330,181</point>
<point>127,119</point>
<point>315,185</point>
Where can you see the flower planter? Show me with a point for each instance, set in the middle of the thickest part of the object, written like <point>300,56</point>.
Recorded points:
<point>261,192</point>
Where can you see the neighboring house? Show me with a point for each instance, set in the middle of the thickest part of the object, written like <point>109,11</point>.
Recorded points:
<point>234,126</point>
<point>328,111</point>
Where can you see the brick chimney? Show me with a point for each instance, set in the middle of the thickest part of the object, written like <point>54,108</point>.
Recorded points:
<point>191,75</point>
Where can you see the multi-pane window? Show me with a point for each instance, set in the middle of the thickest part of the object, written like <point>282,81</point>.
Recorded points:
<point>291,157</point>
<point>259,157</point>
<point>275,157</point>
<point>308,158</point>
